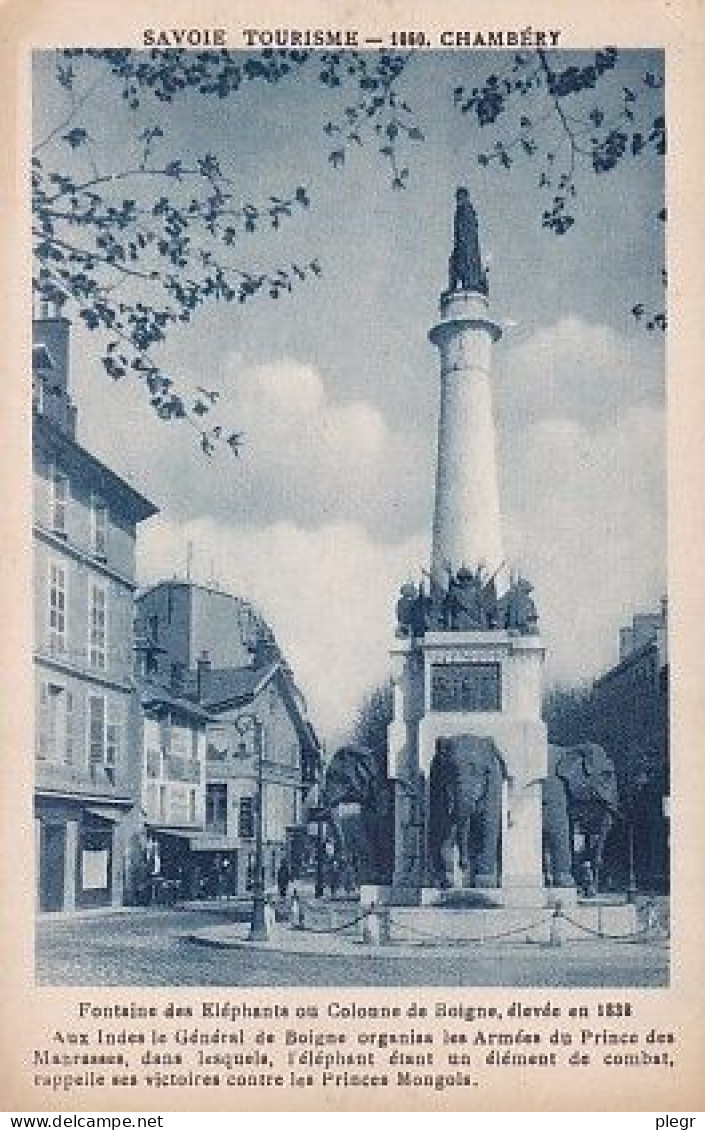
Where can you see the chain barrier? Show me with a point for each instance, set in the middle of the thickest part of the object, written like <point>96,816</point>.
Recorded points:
<point>554,915</point>
<point>481,938</point>
<point>336,929</point>
<point>628,937</point>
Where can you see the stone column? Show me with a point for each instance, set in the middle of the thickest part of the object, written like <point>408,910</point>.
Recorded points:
<point>466,522</point>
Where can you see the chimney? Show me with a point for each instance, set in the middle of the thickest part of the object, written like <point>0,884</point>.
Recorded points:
<point>264,649</point>
<point>50,363</point>
<point>203,676</point>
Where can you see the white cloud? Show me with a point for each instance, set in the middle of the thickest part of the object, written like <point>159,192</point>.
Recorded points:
<point>585,508</point>
<point>330,511</point>
<point>577,370</point>
<point>308,457</point>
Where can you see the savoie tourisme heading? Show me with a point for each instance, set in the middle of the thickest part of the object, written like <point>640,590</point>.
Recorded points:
<point>309,37</point>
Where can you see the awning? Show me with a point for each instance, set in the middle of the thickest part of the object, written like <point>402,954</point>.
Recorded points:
<point>86,798</point>
<point>174,833</point>
<point>115,815</point>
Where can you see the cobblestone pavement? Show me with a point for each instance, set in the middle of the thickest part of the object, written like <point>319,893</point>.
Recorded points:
<point>151,947</point>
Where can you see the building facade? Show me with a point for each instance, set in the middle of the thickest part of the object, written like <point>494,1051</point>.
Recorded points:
<point>255,711</point>
<point>629,711</point>
<point>84,528</point>
<point>173,792</point>
<point>184,619</point>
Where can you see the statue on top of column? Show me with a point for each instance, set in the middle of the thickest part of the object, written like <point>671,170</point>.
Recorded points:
<point>466,271</point>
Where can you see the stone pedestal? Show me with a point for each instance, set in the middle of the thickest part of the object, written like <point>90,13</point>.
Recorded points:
<point>488,684</point>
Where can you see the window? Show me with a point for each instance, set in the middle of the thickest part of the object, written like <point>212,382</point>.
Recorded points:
<point>246,818</point>
<point>192,806</point>
<point>162,804</point>
<point>179,740</point>
<point>59,500</point>
<point>98,626</point>
<point>57,606</point>
<point>49,696</point>
<point>96,730</point>
<point>104,736</point>
<point>56,736</point>
<point>68,701</point>
<point>112,749</point>
<point>38,394</point>
<point>99,528</point>
<point>217,809</point>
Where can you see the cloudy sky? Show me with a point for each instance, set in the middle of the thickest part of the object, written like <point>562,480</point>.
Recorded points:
<point>328,509</point>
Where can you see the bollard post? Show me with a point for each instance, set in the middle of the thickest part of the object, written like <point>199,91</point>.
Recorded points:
<point>269,917</point>
<point>370,927</point>
<point>385,926</point>
<point>296,914</point>
<point>651,924</point>
<point>556,935</point>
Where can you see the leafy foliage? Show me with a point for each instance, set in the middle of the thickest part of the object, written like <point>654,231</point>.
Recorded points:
<point>591,136</point>
<point>138,247</point>
<point>372,720</point>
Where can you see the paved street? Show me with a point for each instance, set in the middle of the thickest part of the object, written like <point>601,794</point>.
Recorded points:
<point>150,947</point>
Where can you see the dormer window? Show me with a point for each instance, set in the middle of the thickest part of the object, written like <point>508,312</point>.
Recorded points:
<point>59,501</point>
<point>99,528</point>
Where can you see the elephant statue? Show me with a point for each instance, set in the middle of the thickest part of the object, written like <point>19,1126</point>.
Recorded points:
<point>579,789</point>
<point>465,808</point>
<point>356,775</point>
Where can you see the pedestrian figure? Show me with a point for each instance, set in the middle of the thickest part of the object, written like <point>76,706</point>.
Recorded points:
<point>334,879</point>
<point>587,879</point>
<point>283,878</point>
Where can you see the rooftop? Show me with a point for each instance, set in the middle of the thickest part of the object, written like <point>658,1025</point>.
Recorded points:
<point>47,435</point>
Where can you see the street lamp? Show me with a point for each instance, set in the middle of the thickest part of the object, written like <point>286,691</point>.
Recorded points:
<point>259,931</point>
<point>320,849</point>
<point>631,881</point>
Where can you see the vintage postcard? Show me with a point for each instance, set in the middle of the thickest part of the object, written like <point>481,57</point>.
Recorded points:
<point>351,454</point>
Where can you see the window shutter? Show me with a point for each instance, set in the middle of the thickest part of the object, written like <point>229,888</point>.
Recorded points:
<point>69,728</point>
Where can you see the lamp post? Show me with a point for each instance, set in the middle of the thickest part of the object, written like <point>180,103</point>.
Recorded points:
<point>320,857</point>
<point>259,931</point>
<point>631,881</point>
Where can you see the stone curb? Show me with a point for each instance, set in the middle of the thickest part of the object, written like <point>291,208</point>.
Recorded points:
<point>300,944</point>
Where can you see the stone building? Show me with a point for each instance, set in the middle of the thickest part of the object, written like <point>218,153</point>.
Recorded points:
<point>184,619</point>
<point>629,710</point>
<point>84,528</point>
<point>255,709</point>
<point>172,778</point>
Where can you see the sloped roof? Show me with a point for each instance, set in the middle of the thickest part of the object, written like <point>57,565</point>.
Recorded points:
<point>155,696</point>
<point>237,684</point>
<point>77,460</point>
